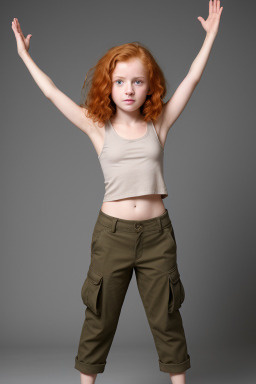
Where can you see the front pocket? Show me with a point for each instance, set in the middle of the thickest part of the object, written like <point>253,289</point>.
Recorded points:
<point>99,229</point>
<point>170,231</point>
<point>90,291</point>
<point>176,290</point>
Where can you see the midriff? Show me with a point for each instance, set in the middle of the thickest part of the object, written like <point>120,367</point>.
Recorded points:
<point>135,208</point>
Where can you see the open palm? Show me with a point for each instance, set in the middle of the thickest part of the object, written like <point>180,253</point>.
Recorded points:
<point>211,25</point>
<point>22,42</point>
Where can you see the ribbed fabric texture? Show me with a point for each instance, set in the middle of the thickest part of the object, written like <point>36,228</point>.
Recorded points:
<point>132,167</point>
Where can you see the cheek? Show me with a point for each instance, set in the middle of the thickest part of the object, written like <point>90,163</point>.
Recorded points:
<point>143,92</point>
<point>114,94</point>
<point>142,97</point>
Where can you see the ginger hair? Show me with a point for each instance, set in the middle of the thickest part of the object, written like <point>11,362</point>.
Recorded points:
<point>99,104</point>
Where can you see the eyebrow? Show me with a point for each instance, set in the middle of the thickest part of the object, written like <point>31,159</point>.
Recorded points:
<point>138,77</point>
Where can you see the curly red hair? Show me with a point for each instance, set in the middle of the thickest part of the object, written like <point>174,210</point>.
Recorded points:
<point>99,104</point>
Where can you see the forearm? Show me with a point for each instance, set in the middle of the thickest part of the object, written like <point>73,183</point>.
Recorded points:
<point>198,65</point>
<point>42,80</point>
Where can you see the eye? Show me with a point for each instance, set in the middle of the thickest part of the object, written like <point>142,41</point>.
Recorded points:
<point>119,80</point>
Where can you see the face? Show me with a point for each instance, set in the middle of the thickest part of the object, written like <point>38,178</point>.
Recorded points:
<point>129,81</point>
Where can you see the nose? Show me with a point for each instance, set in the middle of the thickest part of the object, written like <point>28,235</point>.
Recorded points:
<point>129,89</point>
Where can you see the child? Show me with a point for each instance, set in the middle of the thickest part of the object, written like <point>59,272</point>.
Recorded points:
<point>123,114</point>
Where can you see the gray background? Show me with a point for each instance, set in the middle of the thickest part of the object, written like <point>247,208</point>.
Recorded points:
<point>52,189</point>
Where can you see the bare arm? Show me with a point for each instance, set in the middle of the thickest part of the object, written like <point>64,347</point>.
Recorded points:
<point>197,67</point>
<point>42,80</point>
<point>68,107</point>
<point>176,104</point>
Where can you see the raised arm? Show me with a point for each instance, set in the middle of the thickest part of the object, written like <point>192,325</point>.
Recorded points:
<point>68,107</point>
<point>176,104</point>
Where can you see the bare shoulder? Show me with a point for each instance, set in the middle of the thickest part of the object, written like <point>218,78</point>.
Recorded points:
<point>95,132</point>
<point>161,129</point>
<point>88,125</point>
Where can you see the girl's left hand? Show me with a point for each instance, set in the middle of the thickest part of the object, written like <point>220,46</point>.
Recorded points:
<point>211,25</point>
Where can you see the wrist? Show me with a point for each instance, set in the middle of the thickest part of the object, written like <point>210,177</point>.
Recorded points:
<point>211,34</point>
<point>23,54</point>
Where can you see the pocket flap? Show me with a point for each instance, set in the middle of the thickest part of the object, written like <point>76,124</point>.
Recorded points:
<point>94,277</point>
<point>174,274</point>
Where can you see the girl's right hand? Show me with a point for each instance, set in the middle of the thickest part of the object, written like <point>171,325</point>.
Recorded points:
<point>22,42</point>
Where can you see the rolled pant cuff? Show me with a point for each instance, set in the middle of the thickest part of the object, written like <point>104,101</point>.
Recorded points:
<point>175,368</point>
<point>89,368</point>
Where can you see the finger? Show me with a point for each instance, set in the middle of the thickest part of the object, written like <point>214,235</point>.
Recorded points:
<point>21,32</point>
<point>218,6</point>
<point>17,32</point>
<point>15,29</point>
<point>210,7</point>
<point>17,25</point>
<point>214,6</point>
<point>18,28</point>
<point>201,19</point>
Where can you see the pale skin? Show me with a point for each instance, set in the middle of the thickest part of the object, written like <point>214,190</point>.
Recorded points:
<point>127,121</point>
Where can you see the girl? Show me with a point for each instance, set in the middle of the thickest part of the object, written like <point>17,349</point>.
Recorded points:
<point>125,118</point>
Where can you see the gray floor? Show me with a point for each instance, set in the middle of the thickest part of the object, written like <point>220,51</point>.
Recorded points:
<point>125,365</point>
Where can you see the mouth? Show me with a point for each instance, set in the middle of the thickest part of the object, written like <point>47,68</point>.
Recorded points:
<point>129,100</point>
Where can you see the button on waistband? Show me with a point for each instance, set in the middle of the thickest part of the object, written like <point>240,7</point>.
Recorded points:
<point>138,227</point>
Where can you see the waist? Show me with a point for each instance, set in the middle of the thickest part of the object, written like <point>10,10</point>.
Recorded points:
<point>117,224</point>
<point>135,208</point>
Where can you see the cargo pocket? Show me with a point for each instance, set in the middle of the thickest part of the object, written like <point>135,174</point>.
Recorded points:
<point>90,291</point>
<point>176,290</point>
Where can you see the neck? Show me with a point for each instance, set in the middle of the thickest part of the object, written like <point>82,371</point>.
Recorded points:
<point>127,118</point>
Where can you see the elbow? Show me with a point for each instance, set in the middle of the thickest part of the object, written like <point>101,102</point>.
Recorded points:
<point>48,92</point>
<point>194,78</point>
<point>198,80</point>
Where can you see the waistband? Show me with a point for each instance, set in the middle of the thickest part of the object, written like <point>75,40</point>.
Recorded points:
<point>117,224</point>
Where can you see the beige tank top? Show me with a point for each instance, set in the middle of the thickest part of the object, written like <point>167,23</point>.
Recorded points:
<point>132,167</point>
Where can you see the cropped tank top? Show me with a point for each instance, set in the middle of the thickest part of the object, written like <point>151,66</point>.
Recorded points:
<point>132,167</point>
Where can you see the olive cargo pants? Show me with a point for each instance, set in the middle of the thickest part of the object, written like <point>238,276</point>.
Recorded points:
<point>118,246</point>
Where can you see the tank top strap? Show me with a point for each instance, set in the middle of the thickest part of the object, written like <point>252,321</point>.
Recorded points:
<point>150,127</point>
<point>152,131</point>
<point>109,130</point>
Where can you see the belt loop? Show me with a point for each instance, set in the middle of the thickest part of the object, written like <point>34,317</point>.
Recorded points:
<point>113,227</point>
<point>159,223</point>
